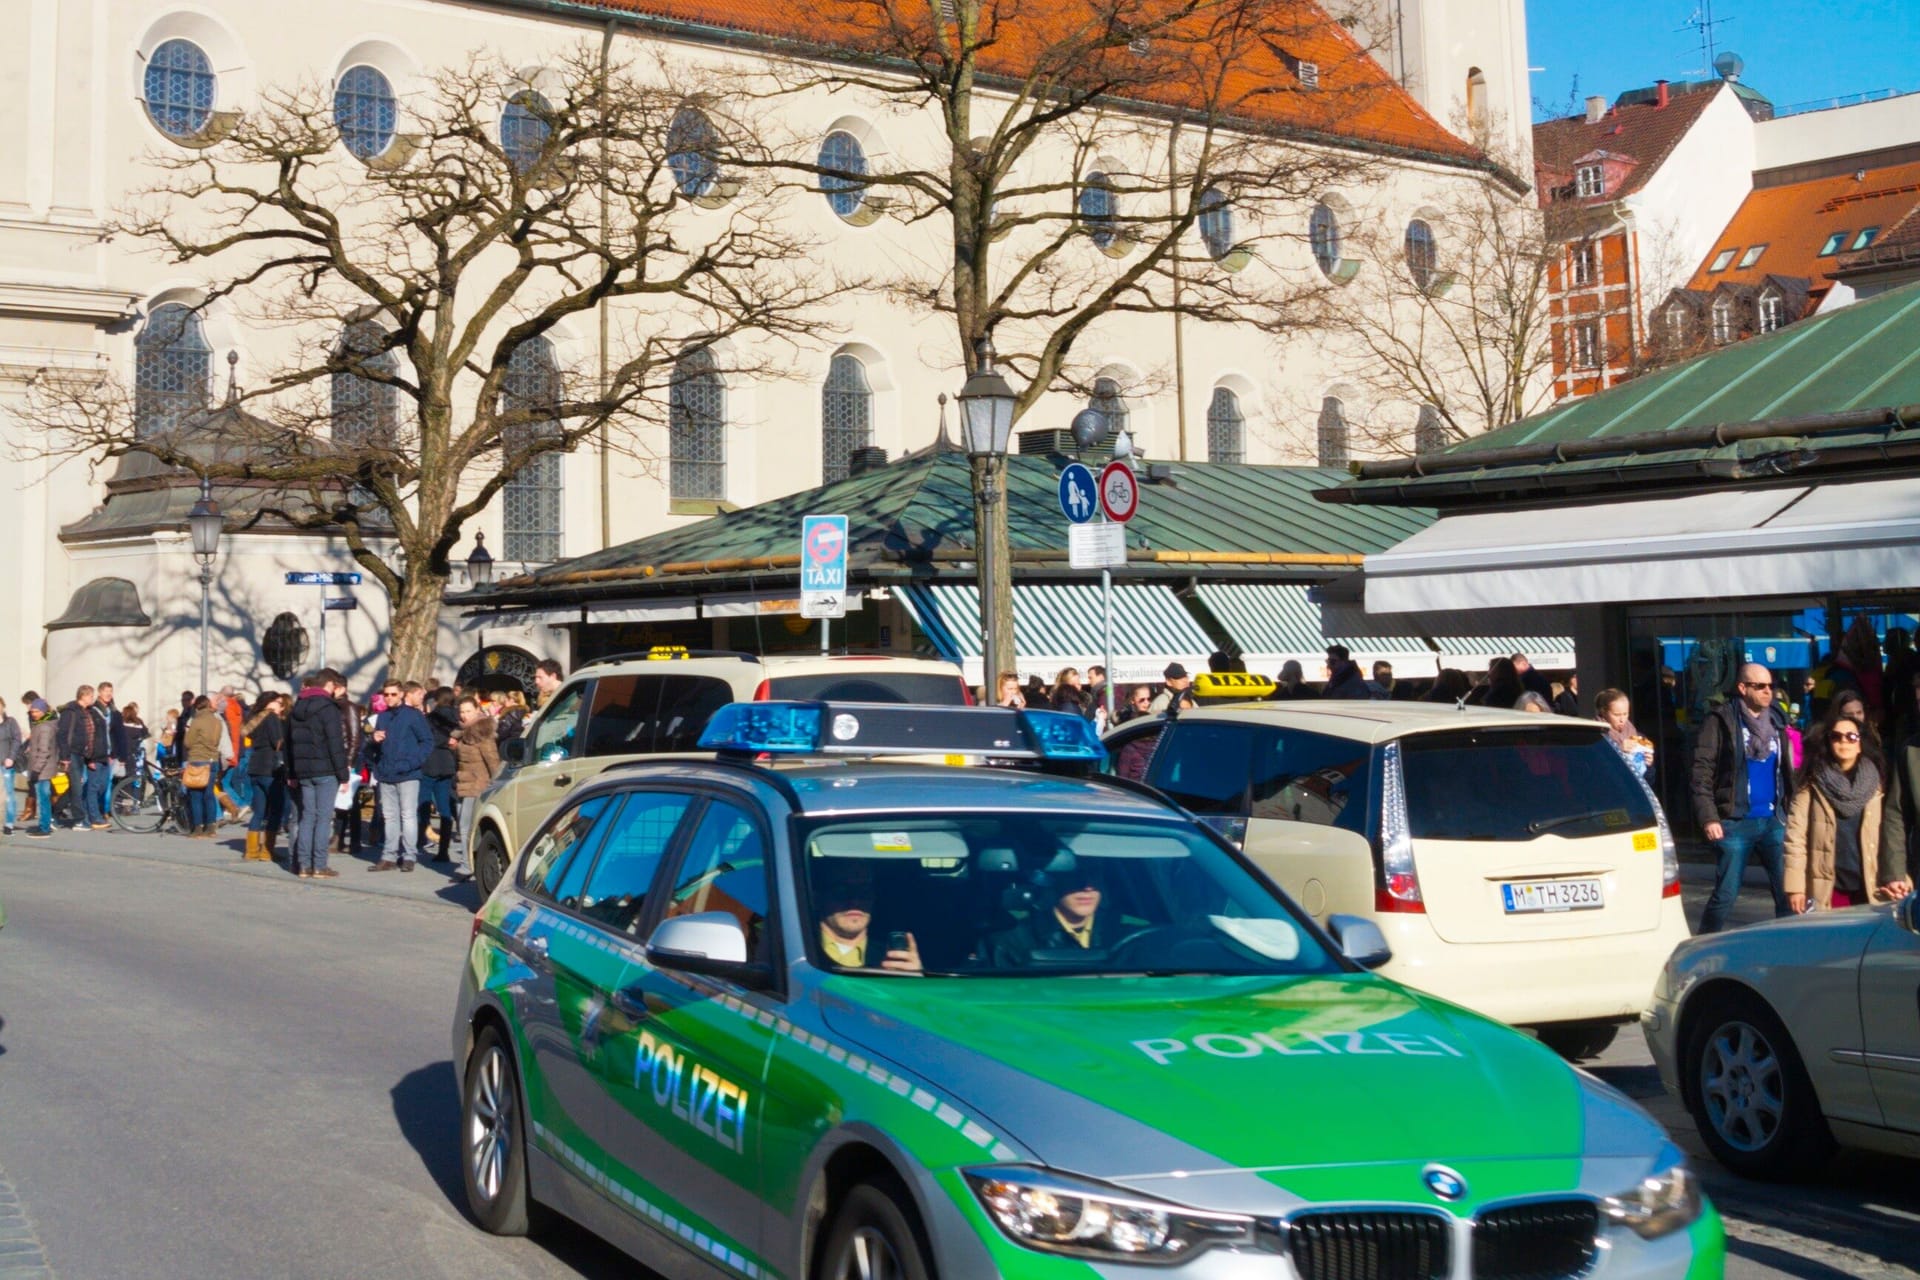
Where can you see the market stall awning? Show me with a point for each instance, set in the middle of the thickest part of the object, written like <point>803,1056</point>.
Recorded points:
<point>1472,653</point>
<point>1274,622</point>
<point>510,619</point>
<point>1059,625</point>
<point>1792,540</point>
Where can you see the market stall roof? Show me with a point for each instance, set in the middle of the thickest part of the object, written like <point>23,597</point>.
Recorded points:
<point>914,519</point>
<point>1832,397</point>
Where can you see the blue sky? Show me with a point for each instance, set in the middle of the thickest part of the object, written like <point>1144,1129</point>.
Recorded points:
<point>1798,52</point>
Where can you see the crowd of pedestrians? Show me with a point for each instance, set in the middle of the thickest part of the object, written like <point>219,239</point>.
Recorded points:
<point>401,770</point>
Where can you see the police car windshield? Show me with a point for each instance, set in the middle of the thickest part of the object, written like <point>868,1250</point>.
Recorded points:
<point>1031,894</point>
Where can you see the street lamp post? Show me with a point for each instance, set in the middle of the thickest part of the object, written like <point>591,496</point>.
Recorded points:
<point>986,419</point>
<point>479,562</point>
<point>204,523</point>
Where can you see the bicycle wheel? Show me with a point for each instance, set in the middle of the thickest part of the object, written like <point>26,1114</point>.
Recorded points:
<point>138,809</point>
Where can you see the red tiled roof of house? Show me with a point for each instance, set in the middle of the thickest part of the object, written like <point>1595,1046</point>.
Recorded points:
<point>1796,220</point>
<point>1356,98</point>
<point>1643,131</point>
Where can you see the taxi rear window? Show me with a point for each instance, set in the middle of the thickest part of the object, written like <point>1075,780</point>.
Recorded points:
<point>1512,786</point>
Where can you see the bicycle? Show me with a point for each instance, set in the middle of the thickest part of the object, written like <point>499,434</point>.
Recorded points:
<point>149,799</point>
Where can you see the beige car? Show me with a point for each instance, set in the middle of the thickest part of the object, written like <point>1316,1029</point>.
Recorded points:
<point>1514,863</point>
<point>658,702</point>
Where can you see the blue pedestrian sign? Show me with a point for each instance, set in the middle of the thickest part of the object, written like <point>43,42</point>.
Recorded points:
<point>1078,498</point>
<point>823,566</point>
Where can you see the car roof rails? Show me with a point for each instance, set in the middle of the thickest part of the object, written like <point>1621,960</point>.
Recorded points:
<point>667,653</point>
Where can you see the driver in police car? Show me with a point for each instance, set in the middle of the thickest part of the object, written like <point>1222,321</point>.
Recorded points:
<point>1074,921</point>
<point>845,904</point>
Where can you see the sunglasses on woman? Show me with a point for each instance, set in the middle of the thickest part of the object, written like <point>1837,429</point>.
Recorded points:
<point>1843,735</point>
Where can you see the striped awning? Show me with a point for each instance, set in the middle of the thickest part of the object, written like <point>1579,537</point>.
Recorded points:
<point>1058,625</point>
<point>1470,652</point>
<point>1274,622</point>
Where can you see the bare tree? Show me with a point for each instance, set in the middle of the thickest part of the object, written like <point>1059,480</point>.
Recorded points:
<point>1092,160</point>
<point>423,284</point>
<point>1461,338</point>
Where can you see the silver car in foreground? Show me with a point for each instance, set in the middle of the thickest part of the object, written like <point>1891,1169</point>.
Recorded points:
<point>1787,1038</point>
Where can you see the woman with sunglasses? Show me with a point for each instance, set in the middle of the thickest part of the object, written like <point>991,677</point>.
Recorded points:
<point>1833,824</point>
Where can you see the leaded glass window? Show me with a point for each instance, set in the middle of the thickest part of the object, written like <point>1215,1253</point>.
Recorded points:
<point>1110,404</point>
<point>1333,433</point>
<point>530,501</point>
<point>846,160</point>
<point>1323,231</point>
<point>1098,209</point>
<point>173,368</point>
<point>1423,254</point>
<point>846,415</point>
<point>365,112</point>
<point>524,129</point>
<point>1216,222</point>
<point>1226,428</point>
<point>364,409</point>
<point>691,143</point>
<point>1429,431</point>
<point>180,88</point>
<point>696,429</point>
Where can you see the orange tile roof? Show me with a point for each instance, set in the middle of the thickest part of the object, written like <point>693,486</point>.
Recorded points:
<point>1357,100</point>
<point>1795,220</point>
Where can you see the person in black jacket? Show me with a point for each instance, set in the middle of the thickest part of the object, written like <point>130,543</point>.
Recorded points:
<point>1344,679</point>
<point>84,753</point>
<point>317,760</point>
<point>1070,921</point>
<point>265,733</point>
<point>1742,784</point>
<point>436,775</point>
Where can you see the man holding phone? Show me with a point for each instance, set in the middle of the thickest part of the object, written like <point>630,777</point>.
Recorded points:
<point>846,921</point>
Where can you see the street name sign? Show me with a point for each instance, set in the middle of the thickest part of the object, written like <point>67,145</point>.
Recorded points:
<point>323,579</point>
<point>1119,491</point>
<point>340,602</point>
<point>823,566</point>
<point>1096,546</point>
<point>1077,501</point>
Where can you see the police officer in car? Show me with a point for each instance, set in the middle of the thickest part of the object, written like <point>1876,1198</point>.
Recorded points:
<point>1072,921</point>
<point>844,900</point>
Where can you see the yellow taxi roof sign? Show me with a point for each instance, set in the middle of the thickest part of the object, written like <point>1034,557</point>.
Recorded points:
<point>663,652</point>
<point>1231,684</point>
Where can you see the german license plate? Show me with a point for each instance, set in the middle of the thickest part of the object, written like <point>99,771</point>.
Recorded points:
<point>1552,895</point>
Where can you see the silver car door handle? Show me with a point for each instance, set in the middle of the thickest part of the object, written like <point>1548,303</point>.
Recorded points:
<point>562,780</point>
<point>537,947</point>
<point>635,1009</point>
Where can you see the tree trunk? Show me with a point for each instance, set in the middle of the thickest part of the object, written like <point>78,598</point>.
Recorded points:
<point>415,627</point>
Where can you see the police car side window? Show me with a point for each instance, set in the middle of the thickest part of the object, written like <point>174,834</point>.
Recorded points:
<point>638,837</point>
<point>1204,765</point>
<point>1310,777</point>
<point>725,869</point>
<point>556,862</point>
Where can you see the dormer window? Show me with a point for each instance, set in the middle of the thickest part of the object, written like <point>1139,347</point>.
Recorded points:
<point>1590,180</point>
<point>1772,311</point>
<point>1723,331</point>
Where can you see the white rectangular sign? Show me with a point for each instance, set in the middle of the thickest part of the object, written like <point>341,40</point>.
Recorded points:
<point>1097,545</point>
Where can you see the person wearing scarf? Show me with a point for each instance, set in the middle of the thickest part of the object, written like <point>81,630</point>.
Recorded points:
<point>1742,784</point>
<point>1833,825</point>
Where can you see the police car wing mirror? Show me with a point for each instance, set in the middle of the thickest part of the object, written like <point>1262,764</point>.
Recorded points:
<point>1907,912</point>
<point>1360,940</point>
<point>710,943</point>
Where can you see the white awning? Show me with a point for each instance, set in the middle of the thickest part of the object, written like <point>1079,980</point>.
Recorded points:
<point>509,620</point>
<point>1058,625</point>
<point>671,610</point>
<point>1274,623</point>
<point>1747,542</point>
<point>765,604</point>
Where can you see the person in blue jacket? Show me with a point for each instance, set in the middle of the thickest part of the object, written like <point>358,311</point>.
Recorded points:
<point>399,748</point>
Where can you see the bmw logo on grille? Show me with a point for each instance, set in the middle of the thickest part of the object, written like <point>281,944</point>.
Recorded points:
<point>1443,1182</point>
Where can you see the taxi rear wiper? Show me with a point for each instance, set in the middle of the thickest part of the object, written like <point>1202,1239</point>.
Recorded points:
<point>1618,816</point>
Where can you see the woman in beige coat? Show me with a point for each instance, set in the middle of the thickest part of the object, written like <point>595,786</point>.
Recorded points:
<point>1833,825</point>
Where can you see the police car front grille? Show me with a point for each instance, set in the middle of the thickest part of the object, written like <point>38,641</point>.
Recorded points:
<point>1369,1245</point>
<point>1548,1240</point>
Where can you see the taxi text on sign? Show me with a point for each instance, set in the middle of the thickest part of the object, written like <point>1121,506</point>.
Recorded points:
<point>823,566</point>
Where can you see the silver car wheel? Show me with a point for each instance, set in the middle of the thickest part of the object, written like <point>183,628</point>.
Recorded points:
<point>1743,1086</point>
<point>489,1124</point>
<point>869,1256</point>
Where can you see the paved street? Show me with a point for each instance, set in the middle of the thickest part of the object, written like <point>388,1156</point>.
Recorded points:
<point>208,1069</point>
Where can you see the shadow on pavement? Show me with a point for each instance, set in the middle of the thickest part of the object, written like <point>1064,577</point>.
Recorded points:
<point>426,1108</point>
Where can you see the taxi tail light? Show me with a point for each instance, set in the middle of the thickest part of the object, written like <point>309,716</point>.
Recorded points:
<point>1399,888</point>
<point>764,691</point>
<point>475,935</point>
<point>966,693</point>
<point>1669,852</point>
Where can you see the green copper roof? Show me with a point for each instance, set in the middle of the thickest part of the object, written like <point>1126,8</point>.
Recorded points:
<point>1838,391</point>
<point>918,508</point>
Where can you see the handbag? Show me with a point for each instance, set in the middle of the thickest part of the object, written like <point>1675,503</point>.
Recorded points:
<point>119,768</point>
<point>197,776</point>
<point>59,783</point>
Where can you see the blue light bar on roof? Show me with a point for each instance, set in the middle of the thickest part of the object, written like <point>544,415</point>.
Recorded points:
<point>783,728</point>
<point>866,729</point>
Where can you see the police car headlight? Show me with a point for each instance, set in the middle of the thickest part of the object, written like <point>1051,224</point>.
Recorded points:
<point>1058,1213</point>
<point>1660,1205</point>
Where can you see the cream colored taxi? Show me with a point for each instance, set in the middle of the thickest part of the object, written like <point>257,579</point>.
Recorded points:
<point>658,702</point>
<point>1515,864</point>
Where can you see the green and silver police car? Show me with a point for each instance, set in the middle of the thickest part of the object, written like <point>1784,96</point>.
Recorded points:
<point>799,1011</point>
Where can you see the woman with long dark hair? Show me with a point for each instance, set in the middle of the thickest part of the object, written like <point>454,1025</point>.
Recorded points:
<point>265,734</point>
<point>1834,858</point>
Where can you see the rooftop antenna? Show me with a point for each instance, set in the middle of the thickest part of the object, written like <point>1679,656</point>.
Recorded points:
<point>1704,23</point>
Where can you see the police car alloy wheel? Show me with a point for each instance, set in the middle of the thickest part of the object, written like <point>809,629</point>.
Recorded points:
<point>872,1240</point>
<point>493,1150</point>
